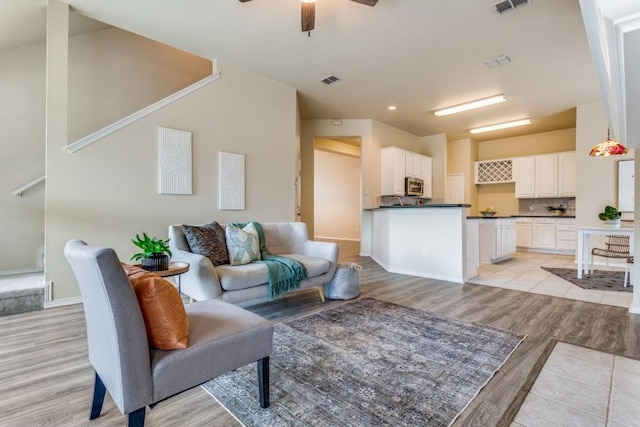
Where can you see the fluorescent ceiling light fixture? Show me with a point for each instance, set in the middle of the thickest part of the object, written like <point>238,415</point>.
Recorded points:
<point>392,107</point>
<point>501,126</point>
<point>471,105</point>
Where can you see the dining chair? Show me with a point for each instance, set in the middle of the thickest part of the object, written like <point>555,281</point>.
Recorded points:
<point>628,272</point>
<point>616,246</point>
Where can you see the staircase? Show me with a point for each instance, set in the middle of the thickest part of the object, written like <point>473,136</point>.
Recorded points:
<point>20,293</point>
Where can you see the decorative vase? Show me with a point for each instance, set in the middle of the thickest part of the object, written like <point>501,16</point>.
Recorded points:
<point>612,223</point>
<point>155,262</point>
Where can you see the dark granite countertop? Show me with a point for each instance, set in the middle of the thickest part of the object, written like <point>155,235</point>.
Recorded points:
<point>543,216</point>
<point>426,205</point>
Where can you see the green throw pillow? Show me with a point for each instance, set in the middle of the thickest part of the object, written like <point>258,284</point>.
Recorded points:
<point>243,244</point>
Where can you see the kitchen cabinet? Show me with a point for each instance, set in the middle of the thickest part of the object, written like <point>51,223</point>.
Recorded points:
<point>524,232</point>
<point>392,171</point>
<point>396,164</point>
<point>413,165</point>
<point>544,233</point>
<point>566,234</point>
<point>567,174</point>
<point>546,175</point>
<point>524,170</point>
<point>548,234</point>
<point>497,239</point>
<point>426,166</point>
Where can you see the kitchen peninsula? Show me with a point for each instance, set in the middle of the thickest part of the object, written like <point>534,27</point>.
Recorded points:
<point>429,240</point>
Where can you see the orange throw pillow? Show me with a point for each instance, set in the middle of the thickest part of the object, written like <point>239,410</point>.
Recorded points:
<point>165,318</point>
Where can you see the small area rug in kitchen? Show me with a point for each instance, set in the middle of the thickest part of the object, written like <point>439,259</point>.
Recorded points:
<point>600,280</point>
<point>369,363</point>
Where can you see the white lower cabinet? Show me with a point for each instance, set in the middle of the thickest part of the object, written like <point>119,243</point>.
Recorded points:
<point>497,239</point>
<point>554,234</point>
<point>544,233</point>
<point>566,234</point>
<point>524,232</point>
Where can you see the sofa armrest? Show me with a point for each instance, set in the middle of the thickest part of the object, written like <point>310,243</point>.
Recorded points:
<point>201,282</point>
<point>326,250</point>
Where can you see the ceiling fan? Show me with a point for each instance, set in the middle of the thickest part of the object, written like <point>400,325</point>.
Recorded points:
<point>308,12</point>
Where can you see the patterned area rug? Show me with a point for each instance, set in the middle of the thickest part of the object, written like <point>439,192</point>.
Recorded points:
<point>600,280</point>
<point>369,363</point>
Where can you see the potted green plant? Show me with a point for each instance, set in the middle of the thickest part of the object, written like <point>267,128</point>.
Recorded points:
<point>155,252</point>
<point>611,217</point>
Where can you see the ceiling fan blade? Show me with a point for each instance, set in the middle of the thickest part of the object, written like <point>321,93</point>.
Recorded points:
<point>367,2</point>
<point>308,16</point>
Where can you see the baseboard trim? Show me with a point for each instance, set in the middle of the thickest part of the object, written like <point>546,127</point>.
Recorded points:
<point>346,239</point>
<point>62,302</point>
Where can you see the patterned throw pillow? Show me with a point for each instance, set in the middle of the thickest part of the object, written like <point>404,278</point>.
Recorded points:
<point>208,240</point>
<point>243,244</point>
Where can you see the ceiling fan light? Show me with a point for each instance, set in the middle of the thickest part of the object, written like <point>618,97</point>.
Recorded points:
<point>308,15</point>
<point>479,103</point>
<point>498,126</point>
<point>608,147</point>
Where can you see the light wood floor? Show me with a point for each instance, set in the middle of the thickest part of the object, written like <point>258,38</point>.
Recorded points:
<point>45,378</point>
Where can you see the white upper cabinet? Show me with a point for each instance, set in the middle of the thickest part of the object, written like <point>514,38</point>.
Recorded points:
<point>426,166</point>
<point>524,174</point>
<point>396,164</point>
<point>413,166</point>
<point>392,171</point>
<point>567,174</point>
<point>547,175</point>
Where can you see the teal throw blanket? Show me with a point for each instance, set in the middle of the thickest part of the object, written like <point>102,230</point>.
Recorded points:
<point>285,273</point>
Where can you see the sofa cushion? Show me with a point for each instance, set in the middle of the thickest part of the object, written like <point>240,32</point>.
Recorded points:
<point>165,318</point>
<point>208,240</point>
<point>237,277</point>
<point>243,244</point>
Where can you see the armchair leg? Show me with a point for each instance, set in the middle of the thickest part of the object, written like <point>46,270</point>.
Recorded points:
<point>321,290</point>
<point>136,418</point>
<point>263,381</point>
<point>99,391</point>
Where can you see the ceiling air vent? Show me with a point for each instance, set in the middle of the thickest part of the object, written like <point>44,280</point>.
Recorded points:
<point>329,79</point>
<point>503,6</point>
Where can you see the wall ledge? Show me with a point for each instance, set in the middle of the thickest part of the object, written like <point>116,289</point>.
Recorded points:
<point>107,130</point>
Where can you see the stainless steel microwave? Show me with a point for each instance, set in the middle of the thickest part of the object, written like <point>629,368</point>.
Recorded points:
<point>413,186</point>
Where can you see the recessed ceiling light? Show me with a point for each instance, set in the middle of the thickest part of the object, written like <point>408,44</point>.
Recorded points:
<point>501,126</point>
<point>471,105</point>
<point>392,107</point>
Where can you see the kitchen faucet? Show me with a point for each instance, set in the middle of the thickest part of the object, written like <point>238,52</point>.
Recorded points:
<point>399,200</point>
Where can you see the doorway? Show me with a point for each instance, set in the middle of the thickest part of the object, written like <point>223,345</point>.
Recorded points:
<point>337,183</point>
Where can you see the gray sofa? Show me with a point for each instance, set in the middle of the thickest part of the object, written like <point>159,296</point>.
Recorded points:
<point>249,282</point>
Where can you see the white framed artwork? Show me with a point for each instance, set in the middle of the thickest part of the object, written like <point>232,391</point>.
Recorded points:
<point>175,161</point>
<point>231,181</point>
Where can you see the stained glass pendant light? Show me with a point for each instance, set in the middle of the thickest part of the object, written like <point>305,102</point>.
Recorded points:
<point>608,147</point>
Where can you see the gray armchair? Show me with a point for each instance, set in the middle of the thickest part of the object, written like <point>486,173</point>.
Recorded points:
<point>222,337</point>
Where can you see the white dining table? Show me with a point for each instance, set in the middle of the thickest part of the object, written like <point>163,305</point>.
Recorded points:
<point>584,243</point>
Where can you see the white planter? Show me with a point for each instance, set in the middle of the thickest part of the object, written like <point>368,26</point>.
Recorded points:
<point>612,223</point>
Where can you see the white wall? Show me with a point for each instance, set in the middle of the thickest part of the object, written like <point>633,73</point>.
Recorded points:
<point>596,177</point>
<point>22,91</point>
<point>112,73</point>
<point>108,192</point>
<point>337,196</point>
<point>370,156</point>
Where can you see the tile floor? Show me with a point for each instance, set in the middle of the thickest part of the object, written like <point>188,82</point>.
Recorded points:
<point>583,387</point>
<point>522,272</point>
